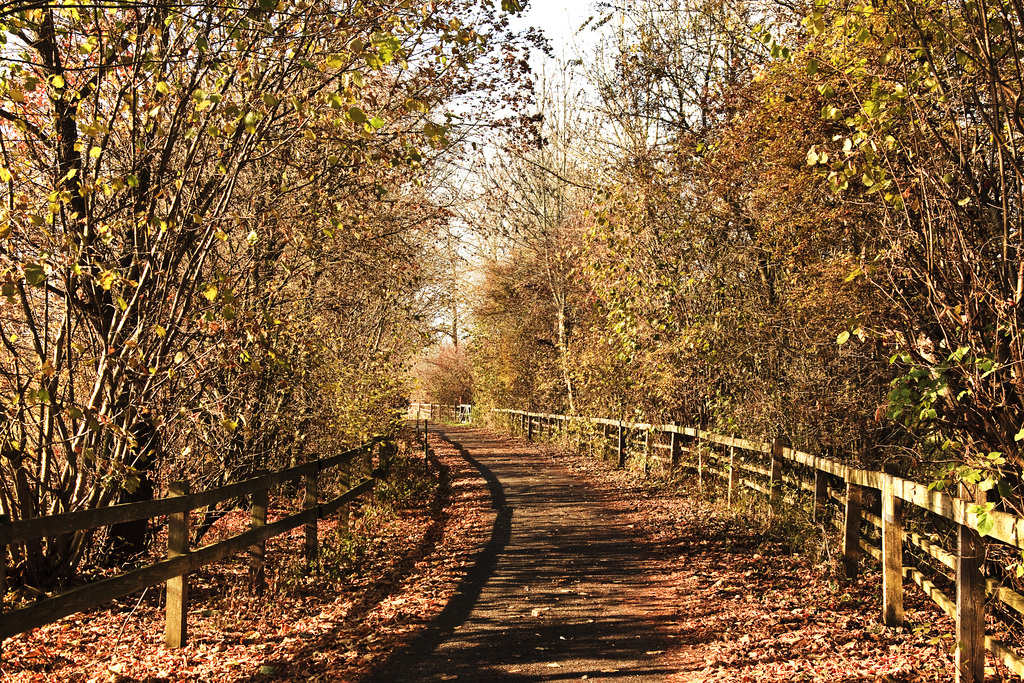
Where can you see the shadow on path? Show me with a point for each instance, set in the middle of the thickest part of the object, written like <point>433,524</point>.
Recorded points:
<point>558,592</point>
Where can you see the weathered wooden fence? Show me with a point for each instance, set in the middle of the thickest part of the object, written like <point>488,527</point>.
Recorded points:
<point>436,411</point>
<point>779,471</point>
<point>181,560</point>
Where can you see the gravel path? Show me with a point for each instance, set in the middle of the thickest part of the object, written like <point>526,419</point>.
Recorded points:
<point>557,594</point>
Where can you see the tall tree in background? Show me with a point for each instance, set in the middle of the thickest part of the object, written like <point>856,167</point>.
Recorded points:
<point>533,220</point>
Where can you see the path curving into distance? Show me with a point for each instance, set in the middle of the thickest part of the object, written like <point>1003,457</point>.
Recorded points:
<point>559,593</point>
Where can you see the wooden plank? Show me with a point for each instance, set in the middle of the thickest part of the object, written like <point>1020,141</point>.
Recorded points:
<point>940,554</point>
<point>818,463</point>
<point>332,506</point>
<point>820,495</point>
<point>621,446</point>
<point>892,557</point>
<point>931,590</point>
<point>734,474</point>
<point>1007,596</point>
<point>84,597</point>
<point>970,600</point>
<point>735,442</point>
<point>42,527</point>
<point>851,531</point>
<point>775,477</point>
<point>345,478</point>
<point>215,552</point>
<point>1010,659</point>
<point>750,467</point>
<point>698,446</point>
<point>866,478</point>
<point>258,551</point>
<point>870,549</point>
<point>96,593</point>
<point>176,622</point>
<point>311,499</point>
<point>4,522</point>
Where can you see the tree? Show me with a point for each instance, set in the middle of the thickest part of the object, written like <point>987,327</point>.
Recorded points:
<point>533,219</point>
<point>205,205</point>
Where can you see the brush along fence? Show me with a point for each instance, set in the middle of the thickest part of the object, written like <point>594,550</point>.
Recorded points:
<point>781,473</point>
<point>181,560</point>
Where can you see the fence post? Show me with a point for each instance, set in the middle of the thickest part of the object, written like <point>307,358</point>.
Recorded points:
<point>675,447</point>
<point>529,427</point>
<point>368,458</point>
<point>820,495</point>
<point>778,446</point>
<point>176,616</point>
<point>970,595</point>
<point>621,446</point>
<point>733,475</point>
<point>4,520</point>
<point>647,451</point>
<point>851,530</point>
<point>700,463</point>
<point>892,554</point>
<point>312,500</point>
<point>426,449</point>
<point>258,551</point>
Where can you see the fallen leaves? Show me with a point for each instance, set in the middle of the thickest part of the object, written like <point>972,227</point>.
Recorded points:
<point>745,606</point>
<point>373,592</point>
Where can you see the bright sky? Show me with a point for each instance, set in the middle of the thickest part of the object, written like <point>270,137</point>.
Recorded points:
<point>559,19</point>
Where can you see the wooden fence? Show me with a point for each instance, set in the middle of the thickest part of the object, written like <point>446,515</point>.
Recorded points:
<point>181,560</point>
<point>436,411</point>
<point>779,471</point>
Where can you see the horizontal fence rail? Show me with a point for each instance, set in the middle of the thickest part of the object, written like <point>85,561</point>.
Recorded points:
<point>781,472</point>
<point>435,411</point>
<point>181,560</point>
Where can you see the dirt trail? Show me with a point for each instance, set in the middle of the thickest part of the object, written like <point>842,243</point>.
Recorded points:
<point>597,574</point>
<point>559,593</point>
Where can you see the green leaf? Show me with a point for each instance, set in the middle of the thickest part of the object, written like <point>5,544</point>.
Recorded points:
<point>357,115</point>
<point>416,105</point>
<point>35,274</point>
<point>985,521</point>
<point>812,67</point>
